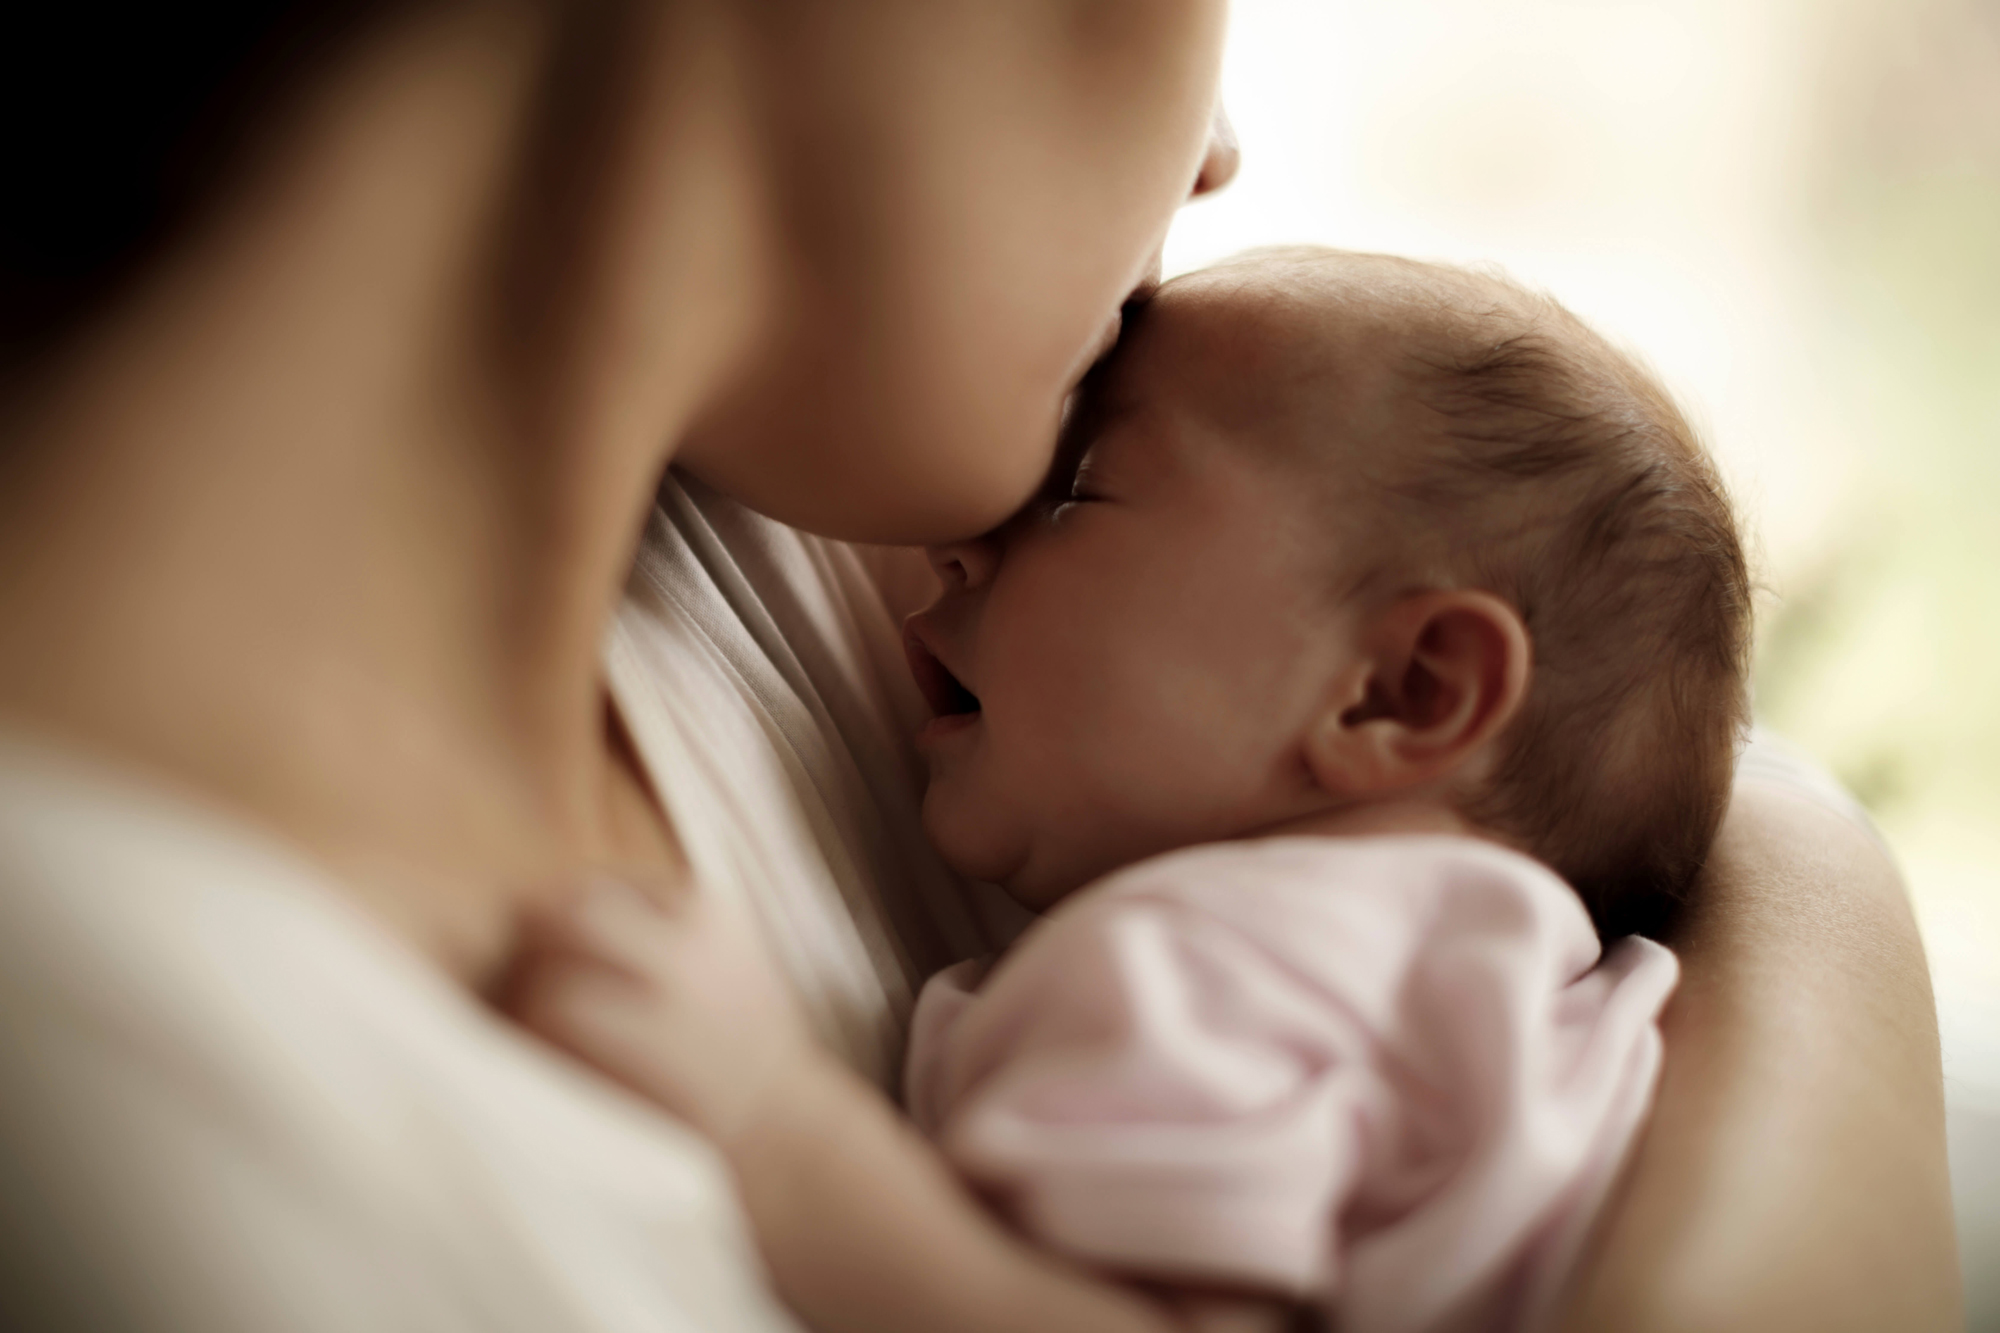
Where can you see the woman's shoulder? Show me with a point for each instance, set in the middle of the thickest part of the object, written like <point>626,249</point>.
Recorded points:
<point>252,1100</point>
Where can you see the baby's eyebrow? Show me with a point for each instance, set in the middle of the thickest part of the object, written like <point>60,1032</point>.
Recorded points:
<point>1071,445</point>
<point>1085,417</point>
<point>1096,412</point>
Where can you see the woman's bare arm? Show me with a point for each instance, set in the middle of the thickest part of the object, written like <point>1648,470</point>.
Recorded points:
<point>1793,1176</point>
<point>866,1231</point>
<point>863,1227</point>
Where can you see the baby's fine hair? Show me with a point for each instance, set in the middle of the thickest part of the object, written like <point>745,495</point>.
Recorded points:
<point>1570,484</point>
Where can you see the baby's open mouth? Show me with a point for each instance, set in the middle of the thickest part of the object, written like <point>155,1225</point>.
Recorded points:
<point>941,690</point>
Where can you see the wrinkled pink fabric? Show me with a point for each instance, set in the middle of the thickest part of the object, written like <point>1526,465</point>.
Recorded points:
<point>1389,1075</point>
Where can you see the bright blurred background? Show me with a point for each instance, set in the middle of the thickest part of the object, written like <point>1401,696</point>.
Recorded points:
<point>1792,209</point>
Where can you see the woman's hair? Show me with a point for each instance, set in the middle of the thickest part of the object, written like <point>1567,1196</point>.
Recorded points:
<point>120,122</point>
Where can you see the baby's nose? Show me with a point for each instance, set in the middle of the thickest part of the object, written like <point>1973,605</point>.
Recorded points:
<point>965,566</point>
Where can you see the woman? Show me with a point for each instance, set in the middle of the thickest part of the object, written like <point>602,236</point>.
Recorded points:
<point>342,372</point>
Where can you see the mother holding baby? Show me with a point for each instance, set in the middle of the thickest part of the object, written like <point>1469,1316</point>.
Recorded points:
<point>352,612</point>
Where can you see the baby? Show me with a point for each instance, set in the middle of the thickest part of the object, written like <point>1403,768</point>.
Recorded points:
<point>1384,628</point>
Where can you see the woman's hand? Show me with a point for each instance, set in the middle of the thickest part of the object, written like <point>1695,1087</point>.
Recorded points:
<point>679,1001</point>
<point>863,1229</point>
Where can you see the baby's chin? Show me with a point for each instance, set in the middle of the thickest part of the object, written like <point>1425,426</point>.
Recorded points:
<point>968,838</point>
<point>978,844</point>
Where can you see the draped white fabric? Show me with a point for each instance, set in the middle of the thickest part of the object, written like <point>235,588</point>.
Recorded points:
<point>761,674</point>
<point>230,1102</point>
<point>1384,1074</point>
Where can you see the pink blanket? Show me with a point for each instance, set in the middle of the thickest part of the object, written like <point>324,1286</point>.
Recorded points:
<point>1387,1075</point>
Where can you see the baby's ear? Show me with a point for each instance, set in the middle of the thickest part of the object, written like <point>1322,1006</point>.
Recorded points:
<point>1440,674</point>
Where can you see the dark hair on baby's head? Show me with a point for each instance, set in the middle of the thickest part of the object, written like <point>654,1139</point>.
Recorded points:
<point>1545,466</point>
<point>1592,507</point>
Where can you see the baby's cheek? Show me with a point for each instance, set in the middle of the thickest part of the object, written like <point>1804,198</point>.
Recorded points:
<point>1190,760</point>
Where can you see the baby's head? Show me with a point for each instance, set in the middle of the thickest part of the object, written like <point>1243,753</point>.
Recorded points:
<point>1342,533</point>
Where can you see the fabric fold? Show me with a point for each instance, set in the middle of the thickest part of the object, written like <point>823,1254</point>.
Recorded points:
<point>1387,1074</point>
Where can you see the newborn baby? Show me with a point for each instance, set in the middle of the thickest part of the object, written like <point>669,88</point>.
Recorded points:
<point>1384,629</point>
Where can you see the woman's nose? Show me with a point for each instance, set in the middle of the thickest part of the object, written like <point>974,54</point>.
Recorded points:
<point>965,566</point>
<point>1223,157</point>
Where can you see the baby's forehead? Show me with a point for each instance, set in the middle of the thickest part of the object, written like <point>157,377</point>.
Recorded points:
<point>1325,339</point>
<point>1311,303</point>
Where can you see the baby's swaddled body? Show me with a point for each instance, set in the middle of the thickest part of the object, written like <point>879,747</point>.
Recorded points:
<point>1387,1075</point>
<point>1391,639</point>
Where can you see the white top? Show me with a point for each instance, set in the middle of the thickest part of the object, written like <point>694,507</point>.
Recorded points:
<point>761,673</point>
<point>230,1101</point>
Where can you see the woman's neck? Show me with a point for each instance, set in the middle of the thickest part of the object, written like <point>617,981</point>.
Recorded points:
<point>295,531</point>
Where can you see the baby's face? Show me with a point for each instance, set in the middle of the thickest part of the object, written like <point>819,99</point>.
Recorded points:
<point>1146,654</point>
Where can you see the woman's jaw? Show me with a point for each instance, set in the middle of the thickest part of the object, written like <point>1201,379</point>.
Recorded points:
<point>358,468</point>
<point>913,379</point>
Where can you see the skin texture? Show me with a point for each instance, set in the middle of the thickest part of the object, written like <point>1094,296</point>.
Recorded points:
<point>320,524</point>
<point>1043,238</point>
<point>1163,655</point>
